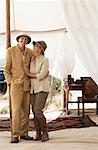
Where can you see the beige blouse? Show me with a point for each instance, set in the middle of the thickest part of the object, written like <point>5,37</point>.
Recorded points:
<point>41,67</point>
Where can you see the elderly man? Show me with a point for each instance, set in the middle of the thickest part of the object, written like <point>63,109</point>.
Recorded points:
<point>19,85</point>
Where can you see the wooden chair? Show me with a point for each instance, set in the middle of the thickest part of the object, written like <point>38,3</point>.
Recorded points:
<point>89,94</point>
<point>72,86</point>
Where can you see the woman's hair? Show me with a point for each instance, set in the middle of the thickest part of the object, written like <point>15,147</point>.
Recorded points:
<point>42,52</point>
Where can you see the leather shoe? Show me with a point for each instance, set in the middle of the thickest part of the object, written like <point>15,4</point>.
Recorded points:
<point>45,137</point>
<point>38,136</point>
<point>26,137</point>
<point>15,140</point>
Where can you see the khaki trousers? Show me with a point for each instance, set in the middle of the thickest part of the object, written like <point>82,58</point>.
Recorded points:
<point>20,107</point>
<point>38,102</point>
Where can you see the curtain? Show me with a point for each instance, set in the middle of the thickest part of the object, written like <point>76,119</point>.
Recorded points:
<point>81,17</point>
<point>59,51</point>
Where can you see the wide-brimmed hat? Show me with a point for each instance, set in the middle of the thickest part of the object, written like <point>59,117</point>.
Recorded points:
<point>42,44</point>
<point>23,34</point>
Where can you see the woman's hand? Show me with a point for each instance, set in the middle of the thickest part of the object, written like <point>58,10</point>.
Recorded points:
<point>27,72</point>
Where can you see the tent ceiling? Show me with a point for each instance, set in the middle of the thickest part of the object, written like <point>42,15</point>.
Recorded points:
<point>35,15</point>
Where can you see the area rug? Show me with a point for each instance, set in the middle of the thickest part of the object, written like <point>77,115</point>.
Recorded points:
<point>58,124</point>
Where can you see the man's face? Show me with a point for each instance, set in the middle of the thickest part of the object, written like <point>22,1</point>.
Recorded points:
<point>23,40</point>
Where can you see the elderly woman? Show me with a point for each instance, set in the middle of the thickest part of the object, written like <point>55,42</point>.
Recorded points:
<point>39,88</point>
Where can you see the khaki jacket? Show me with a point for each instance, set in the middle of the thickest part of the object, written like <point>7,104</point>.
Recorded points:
<point>40,67</point>
<point>14,66</point>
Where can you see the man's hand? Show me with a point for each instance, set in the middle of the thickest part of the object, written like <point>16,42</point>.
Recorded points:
<point>47,74</point>
<point>26,70</point>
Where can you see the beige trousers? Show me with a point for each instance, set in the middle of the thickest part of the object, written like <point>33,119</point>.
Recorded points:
<point>20,107</point>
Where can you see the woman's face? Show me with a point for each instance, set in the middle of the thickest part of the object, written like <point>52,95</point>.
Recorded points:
<point>37,50</point>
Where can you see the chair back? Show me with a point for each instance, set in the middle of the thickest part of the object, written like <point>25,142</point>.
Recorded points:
<point>89,88</point>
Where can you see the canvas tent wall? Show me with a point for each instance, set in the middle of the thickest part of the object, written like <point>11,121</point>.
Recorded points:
<point>79,17</point>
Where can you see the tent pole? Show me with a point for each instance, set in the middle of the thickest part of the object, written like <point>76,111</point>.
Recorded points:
<point>8,44</point>
<point>8,38</point>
